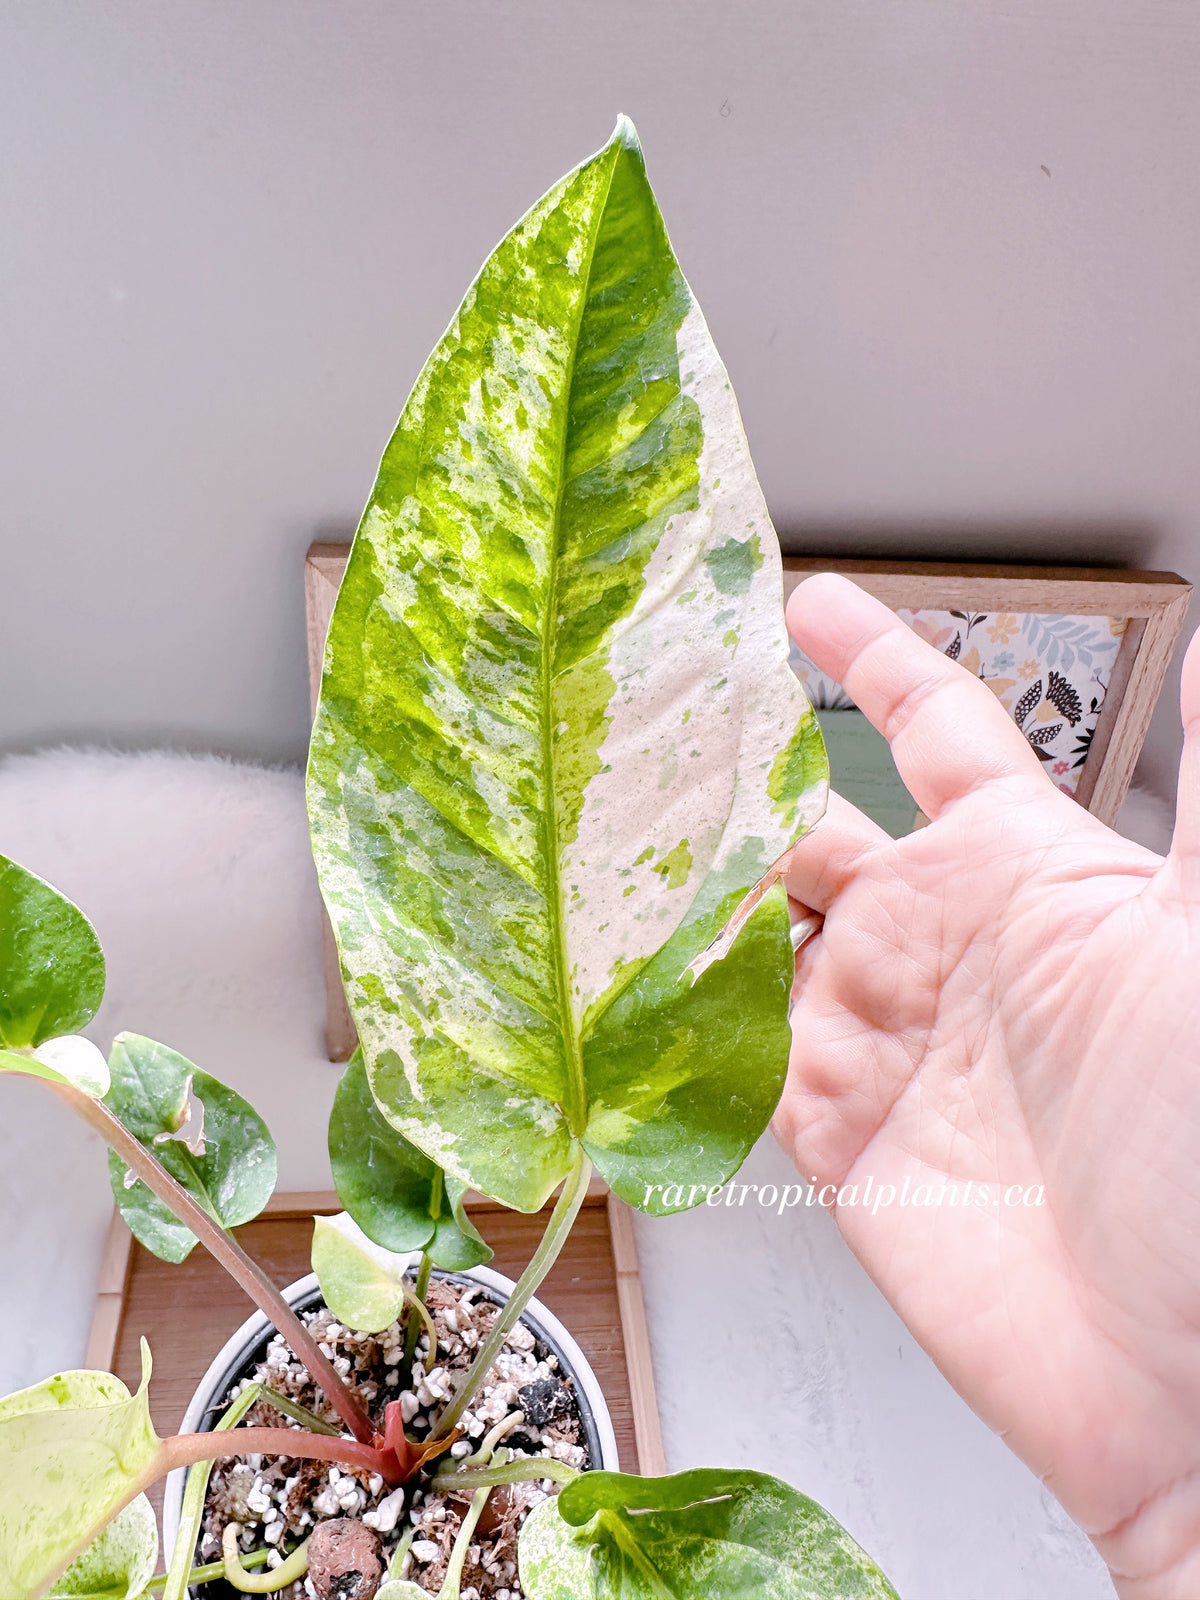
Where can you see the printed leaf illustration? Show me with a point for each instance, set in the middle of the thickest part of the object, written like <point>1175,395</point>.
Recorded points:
<point>120,1563</point>
<point>709,1532</point>
<point>361,1286</point>
<point>51,967</point>
<point>204,1134</point>
<point>558,737</point>
<point>397,1196</point>
<point>72,1449</point>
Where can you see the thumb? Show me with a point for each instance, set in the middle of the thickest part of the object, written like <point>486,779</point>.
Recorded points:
<point>1186,843</point>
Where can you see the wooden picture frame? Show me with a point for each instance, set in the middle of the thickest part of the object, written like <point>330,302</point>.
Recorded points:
<point>1150,605</point>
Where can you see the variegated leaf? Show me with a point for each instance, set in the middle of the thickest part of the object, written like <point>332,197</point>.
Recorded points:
<point>698,1534</point>
<point>206,1136</point>
<point>399,1198</point>
<point>73,1451</point>
<point>558,737</point>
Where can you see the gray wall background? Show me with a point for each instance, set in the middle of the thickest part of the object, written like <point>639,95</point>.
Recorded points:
<point>948,249</point>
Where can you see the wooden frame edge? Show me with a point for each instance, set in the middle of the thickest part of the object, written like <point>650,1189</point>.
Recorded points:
<point>110,1295</point>
<point>639,1364</point>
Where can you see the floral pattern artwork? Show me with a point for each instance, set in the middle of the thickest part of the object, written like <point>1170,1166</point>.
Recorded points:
<point>1049,672</point>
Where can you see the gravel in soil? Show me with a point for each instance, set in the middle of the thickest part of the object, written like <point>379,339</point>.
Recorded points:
<point>278,1501</point>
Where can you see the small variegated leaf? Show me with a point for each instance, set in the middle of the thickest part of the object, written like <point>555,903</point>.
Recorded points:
<point>69,1059</point>
<point>692,1536</point>
<point>207,1137</point>
<point>360,1284</point>
<point>396,1195</point>
<point>73,1449</point>
<point>51,965</point>
<point>558,737</point>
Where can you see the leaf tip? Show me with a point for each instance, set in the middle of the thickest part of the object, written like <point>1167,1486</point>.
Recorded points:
<point>626,134</point>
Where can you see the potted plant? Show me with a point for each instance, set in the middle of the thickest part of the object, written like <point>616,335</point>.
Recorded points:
<point>558,759</point>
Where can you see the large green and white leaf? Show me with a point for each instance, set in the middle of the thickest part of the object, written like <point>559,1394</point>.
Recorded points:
<point>740,1535</point>
<point>558,737</point>
<point>119,1563</point>
<point>206,1136</point>
<point>51,965</point>
<point>398,1197</point>
<point>73,1450</point>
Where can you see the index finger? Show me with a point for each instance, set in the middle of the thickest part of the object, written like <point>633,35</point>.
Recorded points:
<point>948,732</point>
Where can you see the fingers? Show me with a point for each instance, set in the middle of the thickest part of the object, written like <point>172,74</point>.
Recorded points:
<point>948,732</point>
<point>1186,843</point>
<point>826,859</point>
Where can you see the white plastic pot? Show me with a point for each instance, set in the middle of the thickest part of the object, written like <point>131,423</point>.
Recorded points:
<point>250,1342</point>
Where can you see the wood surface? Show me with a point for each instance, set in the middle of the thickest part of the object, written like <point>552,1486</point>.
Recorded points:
<point>187,1312</point>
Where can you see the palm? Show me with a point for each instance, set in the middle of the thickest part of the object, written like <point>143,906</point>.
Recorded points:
<point>1009,998</point>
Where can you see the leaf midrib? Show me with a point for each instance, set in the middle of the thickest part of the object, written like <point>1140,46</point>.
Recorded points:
<point>201,1191</point>
<point>575,1109</point>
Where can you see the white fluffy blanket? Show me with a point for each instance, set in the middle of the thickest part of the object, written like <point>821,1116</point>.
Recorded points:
<point>197,875</point>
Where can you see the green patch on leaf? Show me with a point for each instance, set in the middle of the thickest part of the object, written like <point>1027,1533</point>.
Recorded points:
<point>675,865</point>
<point>797,769</point>
<point>206,1136</point>
<point>710,1532</point>
<point>732,565</point>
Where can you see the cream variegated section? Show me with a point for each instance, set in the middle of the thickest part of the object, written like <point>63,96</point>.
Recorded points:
<point>73,1450</point>
<point>704,701</point>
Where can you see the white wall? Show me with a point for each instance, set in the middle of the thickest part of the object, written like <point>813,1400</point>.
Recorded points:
<point>947,248</point>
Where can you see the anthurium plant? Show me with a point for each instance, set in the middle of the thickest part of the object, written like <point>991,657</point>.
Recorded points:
<point>558,759</point>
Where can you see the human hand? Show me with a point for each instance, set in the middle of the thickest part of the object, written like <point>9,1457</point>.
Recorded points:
<point>1011,995</point>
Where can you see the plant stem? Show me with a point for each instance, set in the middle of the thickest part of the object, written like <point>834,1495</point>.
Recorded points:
<point>214,1569</point>
<point>452,1583</point>
<point>192,1513</point>
<point>247,1274</point>
<point>574,1192</point>
<point>295,1566</point>
<point>292,1408</point>
<point>531,1470</point>
<point>182,1449</point>
<point>411,1332</point>
<point>401,1550</point>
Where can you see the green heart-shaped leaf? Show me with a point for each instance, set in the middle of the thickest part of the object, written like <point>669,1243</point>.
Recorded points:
<point>72,1450</point>
<point>396,1195</point>
<point>119,1563</point>
<point>558,737</point>
<point>206,1136</point>
<point>740,1535</point>
<point>51,964</point>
